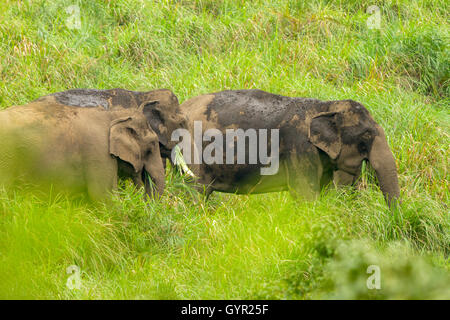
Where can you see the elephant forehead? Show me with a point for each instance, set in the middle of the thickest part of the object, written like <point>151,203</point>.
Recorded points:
<point>144,126</point>
<point>356,134</point>
<point>165,97</point>
<point>122,98</point>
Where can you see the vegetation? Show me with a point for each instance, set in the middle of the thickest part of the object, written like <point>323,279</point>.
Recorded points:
<point>258,246</point>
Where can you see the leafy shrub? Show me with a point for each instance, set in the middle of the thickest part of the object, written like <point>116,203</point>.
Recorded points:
<point>403,274</point>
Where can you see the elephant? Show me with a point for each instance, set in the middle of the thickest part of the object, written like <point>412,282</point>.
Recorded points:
<point>161,108</point>
<point>316,139</point>
<point>79,150</point>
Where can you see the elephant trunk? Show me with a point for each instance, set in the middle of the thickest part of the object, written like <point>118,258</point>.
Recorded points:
<point>155,169</point>
<point>383,162</point>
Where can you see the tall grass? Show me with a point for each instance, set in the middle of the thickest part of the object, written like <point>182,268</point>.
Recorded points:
<point>258,246</point>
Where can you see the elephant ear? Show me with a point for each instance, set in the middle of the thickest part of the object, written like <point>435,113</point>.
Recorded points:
<point>324,133</point>
<point>156,119</point>
<point>123,142</point>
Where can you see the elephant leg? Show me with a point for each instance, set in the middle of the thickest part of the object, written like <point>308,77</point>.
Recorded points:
<point>137,180</point>
<point>201,182</point>
<point>6,175</point>
<point>327,178</point>
<point>304,176</point>
<point>101,180</point>
<point>342,178</point>
<point>140,185</point>
<point>203,186</point>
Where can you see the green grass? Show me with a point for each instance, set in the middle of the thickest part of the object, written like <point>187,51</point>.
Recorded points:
<point>259,246</point>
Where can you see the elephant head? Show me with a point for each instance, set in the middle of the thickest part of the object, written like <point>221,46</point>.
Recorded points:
<point>348,134</point>
<point>162,110</point>
<point>133,141</point>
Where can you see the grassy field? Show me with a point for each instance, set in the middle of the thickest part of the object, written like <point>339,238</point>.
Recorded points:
<point>259,246</point>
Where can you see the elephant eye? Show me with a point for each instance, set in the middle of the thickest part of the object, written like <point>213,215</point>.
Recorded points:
<point>132,132</point>
<point>148,153</point>
<point>362,147</point>
<point>156,113</point>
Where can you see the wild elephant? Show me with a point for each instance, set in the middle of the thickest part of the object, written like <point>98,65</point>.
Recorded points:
<point>315,139</point>
<point>161,108</point>
<point>80,150</point>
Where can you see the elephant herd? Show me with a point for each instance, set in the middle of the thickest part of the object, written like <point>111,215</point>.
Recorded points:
<point>84,140</point>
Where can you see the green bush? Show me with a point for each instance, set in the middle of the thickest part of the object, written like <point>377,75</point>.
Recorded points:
<point>403,275</point>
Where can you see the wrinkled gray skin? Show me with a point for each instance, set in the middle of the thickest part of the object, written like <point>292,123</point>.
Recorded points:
<point>317,138</point>
<point>79,150</point>
<point>161,108</point>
